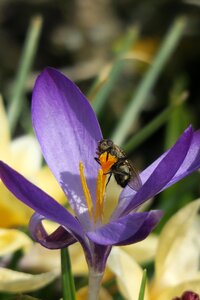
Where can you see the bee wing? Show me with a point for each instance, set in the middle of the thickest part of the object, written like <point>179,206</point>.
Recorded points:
<point>135,182</point>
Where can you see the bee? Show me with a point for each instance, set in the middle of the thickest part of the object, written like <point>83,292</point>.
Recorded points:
<point>123,170</point>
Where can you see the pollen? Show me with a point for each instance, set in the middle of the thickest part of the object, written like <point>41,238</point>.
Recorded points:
<point>107,161</point>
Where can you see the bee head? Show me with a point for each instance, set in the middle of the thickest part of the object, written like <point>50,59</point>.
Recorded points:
<point>105,145</point>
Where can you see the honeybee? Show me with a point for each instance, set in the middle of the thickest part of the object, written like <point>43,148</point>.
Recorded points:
<point>123,170</point>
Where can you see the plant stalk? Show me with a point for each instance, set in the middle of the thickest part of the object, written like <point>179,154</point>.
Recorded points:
<point>67,278</point>
<point>94,285</point>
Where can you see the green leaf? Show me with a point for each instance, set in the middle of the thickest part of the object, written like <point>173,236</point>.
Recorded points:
<point>67,277</point>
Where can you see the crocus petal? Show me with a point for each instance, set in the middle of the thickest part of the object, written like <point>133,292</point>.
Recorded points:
<point>45,180</point>
<point>149,224</point>
<point>38,200</point>
<point>17,282</point>
<point>68,131</point>
<point>159,177</point>
<point>126,230</point>
<point>13,213</point>
<point>172,292</point>
<point>12,240</point>
<point>191,162</point>
<point>77,256</point>
<point>128,273</point>
<point>143,251</point>
<point>60,238</point>
<point>177,258</point>
<point>40,259</point>
<point>26,156</point>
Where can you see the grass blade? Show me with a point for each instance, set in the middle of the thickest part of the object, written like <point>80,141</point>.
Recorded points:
<point>155,124</point>
<point>141,95</point>
<point>114,73</point>
<point>26,61</point>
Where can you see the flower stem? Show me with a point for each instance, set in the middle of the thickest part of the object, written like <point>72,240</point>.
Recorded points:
<point>94,285</point>
<point>67,278</point>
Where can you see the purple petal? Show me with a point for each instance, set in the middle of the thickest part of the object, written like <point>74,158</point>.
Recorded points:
<point>38,200</point>
<point>191,162</point>
<point>149,224</point>
<point>125,229</point>
<point>68,131</point>
<point>60,238</point>
<point>158,176</point>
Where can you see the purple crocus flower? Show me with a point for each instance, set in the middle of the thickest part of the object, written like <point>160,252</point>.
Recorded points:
<point>68,133</point>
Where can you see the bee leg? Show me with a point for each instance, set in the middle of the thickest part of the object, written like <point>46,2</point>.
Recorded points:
<point>121,173</point>
<point>110,174</point>
<point>97,160</point>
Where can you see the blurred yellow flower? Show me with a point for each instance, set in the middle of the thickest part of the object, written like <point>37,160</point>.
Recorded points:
<point>23,154</point>
<point>12,240</point>
<point>176,260</point>
<point>17,282</point>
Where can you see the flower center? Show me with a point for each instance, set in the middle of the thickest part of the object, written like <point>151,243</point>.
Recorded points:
<point>106,161</point>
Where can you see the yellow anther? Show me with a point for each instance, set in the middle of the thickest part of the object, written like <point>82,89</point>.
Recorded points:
<point>86,191</point>
<point>100,193</point>
<point>106,162</point>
